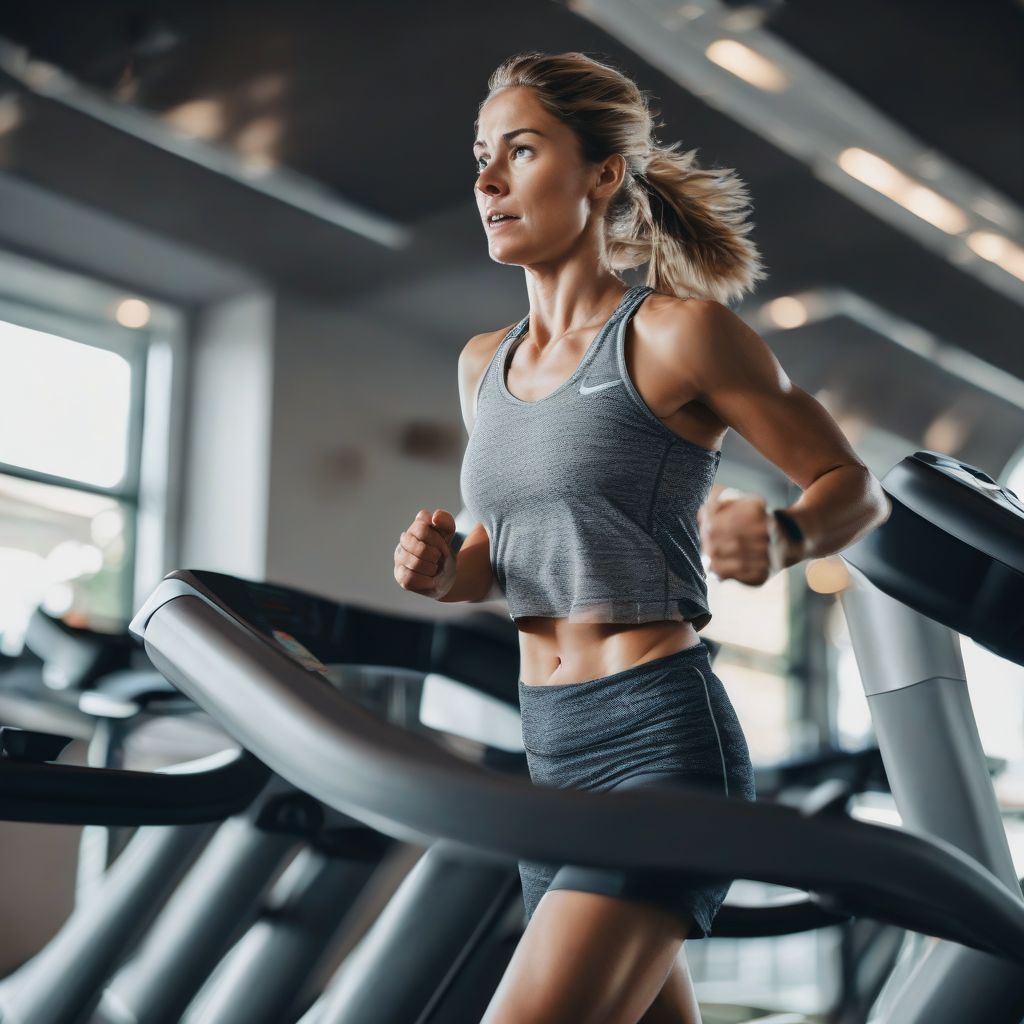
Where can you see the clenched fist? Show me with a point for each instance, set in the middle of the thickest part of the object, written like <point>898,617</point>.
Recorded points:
<point>740,538</point>
<point>424,563</point>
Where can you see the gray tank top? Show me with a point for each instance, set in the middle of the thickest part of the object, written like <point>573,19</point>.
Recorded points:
<point>589,500</point>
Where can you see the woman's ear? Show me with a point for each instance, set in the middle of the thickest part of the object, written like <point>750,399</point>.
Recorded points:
<point>610,176</point>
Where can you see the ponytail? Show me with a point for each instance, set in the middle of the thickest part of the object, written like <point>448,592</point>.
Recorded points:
<point>687,223</point>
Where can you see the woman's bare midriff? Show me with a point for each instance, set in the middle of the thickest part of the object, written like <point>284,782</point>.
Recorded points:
<point>556,651</point>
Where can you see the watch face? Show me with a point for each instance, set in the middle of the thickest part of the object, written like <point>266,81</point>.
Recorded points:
<point>789,525</point>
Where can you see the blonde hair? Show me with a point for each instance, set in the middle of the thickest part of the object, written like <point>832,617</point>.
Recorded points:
<point>687,223</point>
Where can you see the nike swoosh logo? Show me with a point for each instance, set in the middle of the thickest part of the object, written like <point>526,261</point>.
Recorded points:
<point>584,390</point>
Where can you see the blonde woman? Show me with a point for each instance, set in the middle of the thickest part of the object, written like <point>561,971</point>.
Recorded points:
<point>596,424</point>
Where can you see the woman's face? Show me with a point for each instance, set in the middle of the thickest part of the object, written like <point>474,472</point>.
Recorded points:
<point>537,176</point>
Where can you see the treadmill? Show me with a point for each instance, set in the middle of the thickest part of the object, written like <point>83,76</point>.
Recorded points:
<point>268,664</point>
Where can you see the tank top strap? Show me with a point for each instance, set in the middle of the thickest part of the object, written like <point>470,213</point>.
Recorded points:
<point>602,364</point>
<point>630,301</point>
<point>489,381</point>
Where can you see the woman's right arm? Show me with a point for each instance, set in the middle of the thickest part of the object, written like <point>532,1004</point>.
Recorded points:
<point>474,579</point>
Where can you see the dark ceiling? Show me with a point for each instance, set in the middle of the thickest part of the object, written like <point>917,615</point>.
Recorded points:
<point>376,102</point>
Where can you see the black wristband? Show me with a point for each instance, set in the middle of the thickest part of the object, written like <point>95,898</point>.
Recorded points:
<point>790,527</point>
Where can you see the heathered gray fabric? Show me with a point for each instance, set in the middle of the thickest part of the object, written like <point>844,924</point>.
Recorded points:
<point>667,721</point>
<point>589,500</point>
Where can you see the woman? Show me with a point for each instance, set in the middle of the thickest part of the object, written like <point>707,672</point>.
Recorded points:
<point>596,426</point>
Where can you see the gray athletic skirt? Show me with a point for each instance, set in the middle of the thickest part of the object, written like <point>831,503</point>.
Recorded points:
<point>667,720</point>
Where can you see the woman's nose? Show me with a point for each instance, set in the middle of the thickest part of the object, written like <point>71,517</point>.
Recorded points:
<point>489,181</point>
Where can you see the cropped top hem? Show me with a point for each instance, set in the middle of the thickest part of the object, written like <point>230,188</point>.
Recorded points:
<point>621,610</point>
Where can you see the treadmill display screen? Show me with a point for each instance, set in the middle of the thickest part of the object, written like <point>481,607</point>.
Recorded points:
<point>364,648</point>
<point>380,660</point>
<point>318,633</point>
<point>301,654</point>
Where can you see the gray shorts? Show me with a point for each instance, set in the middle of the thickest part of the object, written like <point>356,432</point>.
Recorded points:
<point>665,721</point>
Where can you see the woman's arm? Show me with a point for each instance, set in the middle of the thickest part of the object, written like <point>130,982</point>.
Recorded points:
<point>474,578</point>
<point>736,375</point>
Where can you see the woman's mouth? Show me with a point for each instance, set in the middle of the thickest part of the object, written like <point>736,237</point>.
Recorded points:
<point>504,222</point>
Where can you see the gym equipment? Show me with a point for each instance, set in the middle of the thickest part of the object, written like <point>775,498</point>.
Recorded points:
<point>99,686</point>
<point>217,898</point>
<point>948,874</point>
<point>182,895</point>
<point>294,927</point>
<point>950,558</point>
<point>63,981</point>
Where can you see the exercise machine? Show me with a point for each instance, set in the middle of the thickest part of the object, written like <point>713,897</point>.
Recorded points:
<point>947,874</point>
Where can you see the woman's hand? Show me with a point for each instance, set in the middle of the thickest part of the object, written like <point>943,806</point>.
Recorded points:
<point>424,563</point>
<point>740,539</point>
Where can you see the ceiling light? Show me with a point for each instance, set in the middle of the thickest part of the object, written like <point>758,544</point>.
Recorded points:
<point>786,312</point>
<point>999,250</point>
<point>132,313</point>
<point>890,181</point>
<point>743,62</point>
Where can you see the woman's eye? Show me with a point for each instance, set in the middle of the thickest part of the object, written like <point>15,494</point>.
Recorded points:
<point>476,163</point>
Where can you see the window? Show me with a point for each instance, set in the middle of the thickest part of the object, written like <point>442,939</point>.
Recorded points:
<point>64,407</point>
<point>70,410</point>
<point>66,549</point>
<point>90,389</point>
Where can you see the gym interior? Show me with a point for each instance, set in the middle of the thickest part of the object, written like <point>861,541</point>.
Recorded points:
<point>239,258</point>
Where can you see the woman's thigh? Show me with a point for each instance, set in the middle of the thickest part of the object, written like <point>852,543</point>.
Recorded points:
<point>662,723</point>
<point>588,958</point>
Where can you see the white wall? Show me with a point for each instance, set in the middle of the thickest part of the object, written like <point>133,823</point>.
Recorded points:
<point>227,443</point>
<point>341,491</point>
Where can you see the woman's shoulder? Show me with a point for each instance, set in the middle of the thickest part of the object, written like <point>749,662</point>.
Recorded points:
<point>474,359</point>
<point>668,310</point>
<point>487,342</point>
<point>679,327</point>
<point>480,349</point>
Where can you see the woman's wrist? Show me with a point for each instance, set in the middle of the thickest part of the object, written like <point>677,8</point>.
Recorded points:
<point>787,542</point>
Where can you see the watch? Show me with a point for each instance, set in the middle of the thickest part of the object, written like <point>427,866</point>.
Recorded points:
<point>790,527</point>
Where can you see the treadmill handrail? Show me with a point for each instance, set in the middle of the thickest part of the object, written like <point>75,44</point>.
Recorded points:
<point>67,794</point>
<point>403,784</point>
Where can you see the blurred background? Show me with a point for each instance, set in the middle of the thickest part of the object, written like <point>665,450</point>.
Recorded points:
<point>240,255</point>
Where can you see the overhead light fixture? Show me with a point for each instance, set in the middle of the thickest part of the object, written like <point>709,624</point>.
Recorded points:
<point>999,250</point>
<point>199,118</point>
<point>776,91</point>
<point>786,312</point>
<point>827,302</point>
<point>260,137</point>
<point>132,313</point>
<point>747,64</point>
<point>280,183</point>
<point>11,114</point>
<point>875,172</point>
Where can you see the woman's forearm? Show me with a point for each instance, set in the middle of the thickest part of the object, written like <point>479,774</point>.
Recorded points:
<point>839,508</point>
<point>474,578</point>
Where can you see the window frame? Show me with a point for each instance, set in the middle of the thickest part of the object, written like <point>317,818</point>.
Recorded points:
<point>133,345</point>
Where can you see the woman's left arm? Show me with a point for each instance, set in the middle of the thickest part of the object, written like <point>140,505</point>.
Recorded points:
<point>738,377</point>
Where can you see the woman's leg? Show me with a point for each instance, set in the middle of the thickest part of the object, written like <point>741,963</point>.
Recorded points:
<point>676,1003</point>
<point>587,958</point>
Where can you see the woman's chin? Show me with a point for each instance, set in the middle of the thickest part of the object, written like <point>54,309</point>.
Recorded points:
<point>505,254</point>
